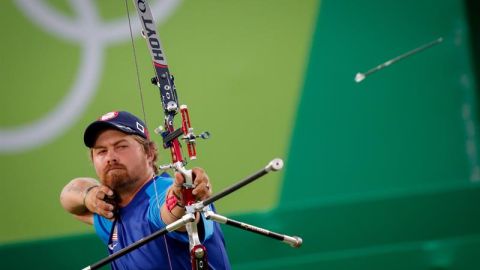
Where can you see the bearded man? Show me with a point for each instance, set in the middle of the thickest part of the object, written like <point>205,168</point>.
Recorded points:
<point>131,201</point>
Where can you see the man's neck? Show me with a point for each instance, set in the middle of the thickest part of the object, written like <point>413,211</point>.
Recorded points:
<point>127,196</point>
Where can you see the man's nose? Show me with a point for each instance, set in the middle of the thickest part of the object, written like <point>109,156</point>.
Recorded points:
<point>112,156</point>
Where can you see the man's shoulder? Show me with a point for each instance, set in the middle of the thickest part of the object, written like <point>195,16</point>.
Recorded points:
<point>158,184</point>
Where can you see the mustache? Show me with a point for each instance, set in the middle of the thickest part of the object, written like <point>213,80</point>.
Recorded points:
<point>113,167</point>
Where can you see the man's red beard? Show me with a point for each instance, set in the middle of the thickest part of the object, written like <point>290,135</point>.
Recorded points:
<point>117,178</point>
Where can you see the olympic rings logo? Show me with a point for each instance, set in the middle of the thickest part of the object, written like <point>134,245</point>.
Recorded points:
<point>93,35</point>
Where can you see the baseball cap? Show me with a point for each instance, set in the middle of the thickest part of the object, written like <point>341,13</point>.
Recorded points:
<point>119,120</point>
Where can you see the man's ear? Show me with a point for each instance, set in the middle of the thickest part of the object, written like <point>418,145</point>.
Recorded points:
<point>90,154</point>
<point>151,153</point>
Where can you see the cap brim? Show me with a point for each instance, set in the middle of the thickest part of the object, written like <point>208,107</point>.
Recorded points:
<point>92,131</point>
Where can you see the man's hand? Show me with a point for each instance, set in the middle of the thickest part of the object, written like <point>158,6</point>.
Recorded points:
<point>98,200</point>
<point>202,188</point>
<point>202,191</point>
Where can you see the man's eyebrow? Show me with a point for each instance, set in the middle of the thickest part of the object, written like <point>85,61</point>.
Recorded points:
<point>120,141</point>
<point>115,143</point>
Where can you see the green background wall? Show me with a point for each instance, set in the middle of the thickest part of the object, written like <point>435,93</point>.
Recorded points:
<point>226,70</point>
<point>382,174</point>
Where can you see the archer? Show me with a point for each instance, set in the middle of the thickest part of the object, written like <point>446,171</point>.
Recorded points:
<point>131,201</point>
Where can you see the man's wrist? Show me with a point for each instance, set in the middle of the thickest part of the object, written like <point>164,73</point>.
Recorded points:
<point>173,200</point>
<point>85,193</point>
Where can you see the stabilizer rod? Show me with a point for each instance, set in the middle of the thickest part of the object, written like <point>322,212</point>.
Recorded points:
<point>293,241</point>
<point>274,165</point>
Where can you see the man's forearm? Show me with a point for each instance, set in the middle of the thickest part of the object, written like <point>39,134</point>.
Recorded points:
<point>73,194</point>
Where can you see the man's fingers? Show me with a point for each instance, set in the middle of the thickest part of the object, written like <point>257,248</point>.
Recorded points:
<point>179,179</point>
<point>102,205</point>
<point>201,184</point>
<point>98,204</point>
<point>105,213</point>
<point>178,184</point>
<point>103,191</point>
<point>103,208</point>
<point>199,175</point>
<point>99,195</point>
<point>202,191</point>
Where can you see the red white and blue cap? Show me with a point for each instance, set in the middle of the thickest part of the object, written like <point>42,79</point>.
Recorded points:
<point>121,120</point>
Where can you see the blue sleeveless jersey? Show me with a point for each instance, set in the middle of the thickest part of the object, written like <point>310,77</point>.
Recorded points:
<point>140,218</point>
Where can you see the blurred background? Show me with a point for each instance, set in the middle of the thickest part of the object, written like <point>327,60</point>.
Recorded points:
<point>382,174</point>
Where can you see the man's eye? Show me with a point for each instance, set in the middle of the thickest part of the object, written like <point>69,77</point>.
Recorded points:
<point>101,151</point>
